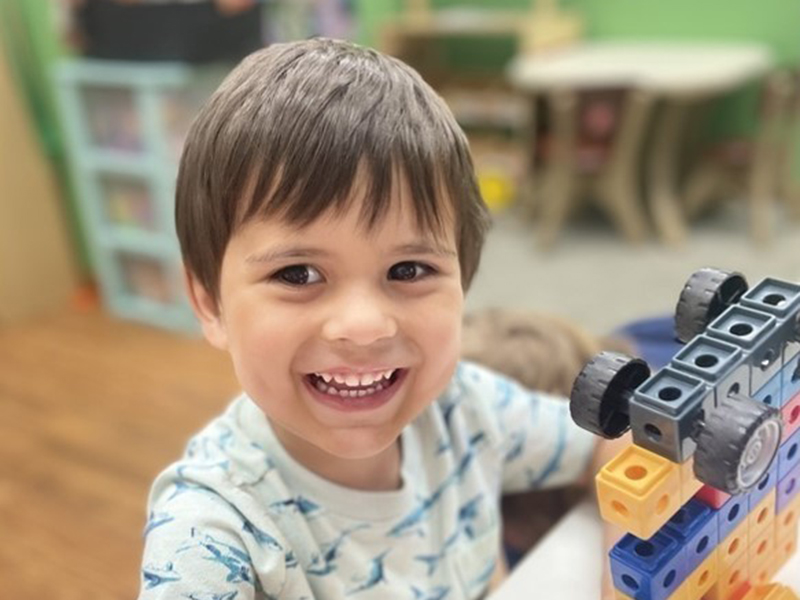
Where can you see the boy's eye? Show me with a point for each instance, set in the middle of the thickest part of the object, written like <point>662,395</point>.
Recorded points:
<point>297,275</point>
<point>409,271</point>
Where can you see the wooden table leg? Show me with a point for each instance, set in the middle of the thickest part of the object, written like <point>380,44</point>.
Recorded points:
<point>527,196</point>
<point>559,173</point>
<point>662,172</point>
<point>618,187</point>
<point>790,188</point>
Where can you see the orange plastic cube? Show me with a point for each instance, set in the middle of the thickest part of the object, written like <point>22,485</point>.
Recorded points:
<point>773,591</point>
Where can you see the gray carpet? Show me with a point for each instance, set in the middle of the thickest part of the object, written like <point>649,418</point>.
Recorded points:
<point>593,277</point>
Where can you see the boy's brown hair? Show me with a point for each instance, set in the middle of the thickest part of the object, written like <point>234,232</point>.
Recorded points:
<point>289,129</point>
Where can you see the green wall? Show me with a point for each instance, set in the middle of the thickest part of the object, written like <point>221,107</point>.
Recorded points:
<point>774,22</point>
<point>28,34</point>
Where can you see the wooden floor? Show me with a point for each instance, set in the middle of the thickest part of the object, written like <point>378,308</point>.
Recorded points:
<point>90,410</point>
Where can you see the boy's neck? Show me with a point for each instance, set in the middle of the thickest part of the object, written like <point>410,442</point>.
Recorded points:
<point>375,474</point>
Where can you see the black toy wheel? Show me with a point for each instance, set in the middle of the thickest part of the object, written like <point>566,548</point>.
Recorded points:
<point>737,444</point>
<point>602,392</point>
<point>706,295</point>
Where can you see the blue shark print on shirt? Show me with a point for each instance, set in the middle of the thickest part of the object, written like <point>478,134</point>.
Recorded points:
<point>466,516</point>
<point>201,596</point>
<point>374,577</point>
<point>482,579</point>
<point>325,563</point>
<point>224,465</point>
<point>235,560</point>
<point>554,463</point>
<point>270,464</point>
<point>181,487</point>
<point>413,520</point>
<point>207,446</point>
<point>437,593</point>
<point>304,506</point>
<point>504,394</point>
<point>156,520</point>
<point>458,474</point>
<point>263,538</point>
<point>516,446</point>
<point>155,576</point>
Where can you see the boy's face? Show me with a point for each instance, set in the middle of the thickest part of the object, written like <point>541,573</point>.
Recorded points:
<point>340,335</point>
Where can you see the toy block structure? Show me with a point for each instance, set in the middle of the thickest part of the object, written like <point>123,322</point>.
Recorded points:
<point>709,491</point>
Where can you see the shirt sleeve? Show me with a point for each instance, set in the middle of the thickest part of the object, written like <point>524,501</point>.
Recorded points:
<point>199,546</point>
<point>540,446</point>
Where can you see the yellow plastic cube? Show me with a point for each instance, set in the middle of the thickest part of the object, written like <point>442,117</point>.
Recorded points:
<point>785,549</point>
<point>762,516</point>
<point>763,574</point>
<point>639,491</point>
<point>733,547</point>
<point>730,581</point>
<point>680,593</point>
<point>762,547</point>
<point>786,521</point>
<point>690,484</point>
<point>703,577</point>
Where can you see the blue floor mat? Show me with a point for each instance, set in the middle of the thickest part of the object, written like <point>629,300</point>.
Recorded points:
<point>653,338</point>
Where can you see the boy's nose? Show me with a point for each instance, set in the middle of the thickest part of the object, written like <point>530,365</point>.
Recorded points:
<point>360,318</point>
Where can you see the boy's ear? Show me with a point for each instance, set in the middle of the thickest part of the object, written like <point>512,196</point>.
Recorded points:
<point>208,312</point>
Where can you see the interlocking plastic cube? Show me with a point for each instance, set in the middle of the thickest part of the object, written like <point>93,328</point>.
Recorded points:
<point>648,569</point>
<point>732,581</point>
<point>639,491</point>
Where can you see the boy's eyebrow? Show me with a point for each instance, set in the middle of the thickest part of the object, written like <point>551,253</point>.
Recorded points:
<point>282,253</point>
<point>425,248</point>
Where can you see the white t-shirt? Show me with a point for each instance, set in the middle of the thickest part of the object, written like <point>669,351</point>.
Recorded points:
<point>238,518</point>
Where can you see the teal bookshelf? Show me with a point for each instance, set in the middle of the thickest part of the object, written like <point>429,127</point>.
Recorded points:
<point>124,126</point>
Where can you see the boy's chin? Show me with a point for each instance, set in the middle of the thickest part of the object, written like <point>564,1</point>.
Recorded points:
<point>361,446</point>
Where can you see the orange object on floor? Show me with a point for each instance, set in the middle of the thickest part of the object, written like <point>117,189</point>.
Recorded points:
<point>774,591</point>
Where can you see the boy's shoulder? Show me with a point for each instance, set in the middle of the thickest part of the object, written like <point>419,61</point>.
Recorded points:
<point>481,388</point>
<point>222,458</point>
<point>478,398</point>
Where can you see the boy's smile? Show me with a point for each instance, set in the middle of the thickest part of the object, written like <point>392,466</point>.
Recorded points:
<point>342,335</point>
<point>346,390</point>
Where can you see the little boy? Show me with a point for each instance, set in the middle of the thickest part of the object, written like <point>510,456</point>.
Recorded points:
<point>330,223</point>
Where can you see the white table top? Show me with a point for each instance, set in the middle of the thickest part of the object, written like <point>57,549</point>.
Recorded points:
<point>570,557</point>
<point>663,67</point>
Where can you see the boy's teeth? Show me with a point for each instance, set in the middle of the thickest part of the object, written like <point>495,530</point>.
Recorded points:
<point>348,393</point>
<point>353,380</point>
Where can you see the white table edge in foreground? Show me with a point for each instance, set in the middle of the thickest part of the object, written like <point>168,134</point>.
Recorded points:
<point>570,558</point>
